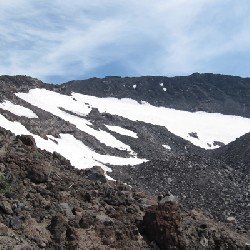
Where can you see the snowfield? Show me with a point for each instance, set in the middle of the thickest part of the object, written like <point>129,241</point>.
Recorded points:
<point>209,127</point>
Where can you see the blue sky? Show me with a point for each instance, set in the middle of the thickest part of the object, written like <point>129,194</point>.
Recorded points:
<point>57,41</point>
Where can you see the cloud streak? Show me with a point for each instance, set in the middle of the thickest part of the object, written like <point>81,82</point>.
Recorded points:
<point>62,40</point>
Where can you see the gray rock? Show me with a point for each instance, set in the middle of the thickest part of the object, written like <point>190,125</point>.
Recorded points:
<point>66,209</point>
<point>231,219</point>
<point>15,223</point>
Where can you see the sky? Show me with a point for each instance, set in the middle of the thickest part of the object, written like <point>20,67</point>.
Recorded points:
<point>61,40</point>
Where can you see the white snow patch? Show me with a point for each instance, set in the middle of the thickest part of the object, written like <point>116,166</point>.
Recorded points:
<point>68,146</point>
<point>17,109</point>
<point>134,86</point>
<point>210,126</point>
<point>164,89</point>
<point>122,131</point>
<point>166,147</point>
<point>161,84</point>
<point>85,157</point>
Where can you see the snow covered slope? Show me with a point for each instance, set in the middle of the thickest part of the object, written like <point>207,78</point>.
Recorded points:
<point>79,154</point>
<point>200,128</point>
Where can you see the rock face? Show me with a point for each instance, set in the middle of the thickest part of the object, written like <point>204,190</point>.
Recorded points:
<point>48,204</point>
<point>96,174</point>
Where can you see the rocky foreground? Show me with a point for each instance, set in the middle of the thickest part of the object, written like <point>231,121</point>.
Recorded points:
<point>218,189</point>
<point>45,203</point>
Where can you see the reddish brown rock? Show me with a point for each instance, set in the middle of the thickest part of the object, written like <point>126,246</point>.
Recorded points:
<point>161,224</point>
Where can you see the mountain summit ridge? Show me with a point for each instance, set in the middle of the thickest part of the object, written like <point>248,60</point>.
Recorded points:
<point>198,92</point>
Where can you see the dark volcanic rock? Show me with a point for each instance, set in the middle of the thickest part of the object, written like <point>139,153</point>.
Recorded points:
<point>58,228</point>
<point>46,203</point>
<point>49,204</point>
<point>96,174</point>
<point>39,173</point>
<point>199,182</point>
<point>28,140</point>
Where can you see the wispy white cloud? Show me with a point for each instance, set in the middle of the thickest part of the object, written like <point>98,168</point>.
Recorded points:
<point>62,40</point>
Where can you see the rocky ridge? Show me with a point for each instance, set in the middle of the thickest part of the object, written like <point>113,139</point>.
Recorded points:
<point>213,93</point>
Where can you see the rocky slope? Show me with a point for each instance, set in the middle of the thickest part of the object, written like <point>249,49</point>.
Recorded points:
<point>219,190</point>
<point>236,153</point>
<point>45,203</point>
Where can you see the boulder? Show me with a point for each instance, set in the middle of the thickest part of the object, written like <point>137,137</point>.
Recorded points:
<point>27,140</point>
<point>38,173</point>
<point>96,174</point>
<point>161,225</point>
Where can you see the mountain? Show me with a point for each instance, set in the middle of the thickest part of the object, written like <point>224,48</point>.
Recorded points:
<point>185,139</point>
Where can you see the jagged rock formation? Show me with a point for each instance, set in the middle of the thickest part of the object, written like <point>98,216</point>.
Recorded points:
<point>45,203</point>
